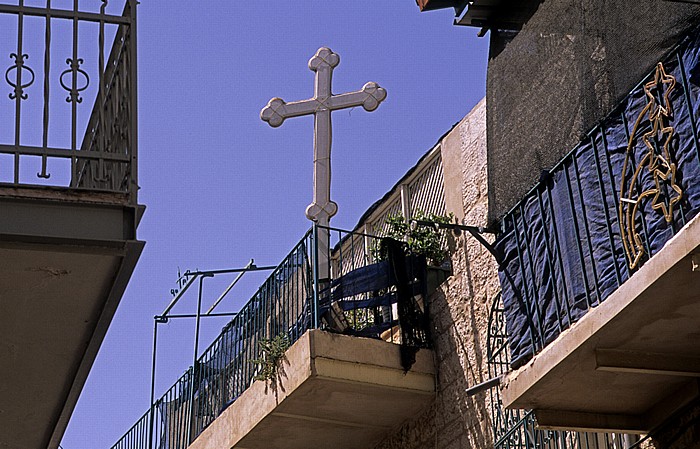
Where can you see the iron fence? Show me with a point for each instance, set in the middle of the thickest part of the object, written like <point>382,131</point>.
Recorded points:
<point>71,119</point>
<point>291,301</point>
<point>517,429</point>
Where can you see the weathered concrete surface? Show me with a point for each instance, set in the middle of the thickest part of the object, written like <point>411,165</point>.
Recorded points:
<point>65,260</point>
<point>333,391</point>
<point>631,361</point>
<point>459,310</point>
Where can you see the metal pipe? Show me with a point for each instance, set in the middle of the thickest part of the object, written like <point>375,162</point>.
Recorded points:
<point>198,317</point>
<point>475,231</point>
<point>493,382</point>
<point>194,360</point>
<point>479,229</point>
<point>231,270</point>
<point>153,382</point>
<point>164,319</point>
<point>250,265</point>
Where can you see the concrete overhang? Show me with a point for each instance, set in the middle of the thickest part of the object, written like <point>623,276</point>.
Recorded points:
<point>65,260</point>
<point>629,363</point>
<point>334,391</point>
<point>497,14</point>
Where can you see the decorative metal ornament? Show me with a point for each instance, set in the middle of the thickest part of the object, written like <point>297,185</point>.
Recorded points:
<point>659,112</point>
<point>17,85</point>
<point>74,90</point>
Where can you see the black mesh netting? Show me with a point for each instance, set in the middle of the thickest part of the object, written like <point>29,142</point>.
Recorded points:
<point>573,61</point>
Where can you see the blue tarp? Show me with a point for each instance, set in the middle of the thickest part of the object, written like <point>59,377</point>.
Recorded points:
<point>560,250</point>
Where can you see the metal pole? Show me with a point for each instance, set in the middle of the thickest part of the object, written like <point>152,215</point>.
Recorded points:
<point>165,319</point>
<point>194,361</point>
<point>250,265</point>
<point>153,383</point>
<point>198,320</point>
<point>493,382</point>
<point>315,274</point>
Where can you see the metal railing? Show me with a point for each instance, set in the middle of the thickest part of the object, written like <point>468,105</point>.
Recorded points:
<point>517,429</point>
<point>291,301</point>
<point>567,238</point>
<point>71,119</point>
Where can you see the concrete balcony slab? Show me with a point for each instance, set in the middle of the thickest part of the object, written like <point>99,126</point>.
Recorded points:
<point>333,391</point>
<point>629,363</point>
<point>65,260</point>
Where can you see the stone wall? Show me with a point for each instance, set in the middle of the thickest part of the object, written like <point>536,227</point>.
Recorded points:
<point>459,309</point>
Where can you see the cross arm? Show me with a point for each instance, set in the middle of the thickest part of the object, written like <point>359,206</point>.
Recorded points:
<point>277,110</point>
<point>369,98</point>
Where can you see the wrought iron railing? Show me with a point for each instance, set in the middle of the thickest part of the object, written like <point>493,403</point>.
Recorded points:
<point>517,429</point>
<point>71,119</point>
<point>605,209</point>
<point>291,301</point>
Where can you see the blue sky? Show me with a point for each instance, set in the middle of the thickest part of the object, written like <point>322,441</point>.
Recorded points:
<point>222,187</point>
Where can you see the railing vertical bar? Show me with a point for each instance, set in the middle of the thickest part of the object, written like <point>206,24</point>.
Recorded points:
<point>19,62</point>
<point>101,104</point>
<point>315,274</point>
<point>284,299</point>
<point>133,104</point>
<point>531,263</point>
<point>584,274</point>
<point>603,197</point>
<point>579,188</point>
<point>74,100</point>
<point>548,259</point>
<point>247,353</point>
<point>47,71</point>
<point>298,270</point>
<point>567,303</point>
<point>526,288</point>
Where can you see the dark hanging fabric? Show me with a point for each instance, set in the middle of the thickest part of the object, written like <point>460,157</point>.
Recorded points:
<point>560,247</point>
<point>412,320</point>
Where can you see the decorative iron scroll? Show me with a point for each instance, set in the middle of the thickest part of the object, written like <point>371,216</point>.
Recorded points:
<point>19,86</point>
<point>659,164</point>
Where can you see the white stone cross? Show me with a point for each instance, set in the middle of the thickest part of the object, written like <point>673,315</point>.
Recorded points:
<point>320,105</point>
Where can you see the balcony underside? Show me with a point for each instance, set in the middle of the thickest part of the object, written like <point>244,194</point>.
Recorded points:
<point>335,391</point>
<point>498,14</point>
<point>65,260</point>
<point>629,363</point>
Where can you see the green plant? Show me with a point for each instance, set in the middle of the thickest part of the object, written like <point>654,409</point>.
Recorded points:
<point>419,239</point>
<point>272,350</point>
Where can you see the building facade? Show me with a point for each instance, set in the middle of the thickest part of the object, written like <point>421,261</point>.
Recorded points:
<point>597,229</point>
<point>568,318</point>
